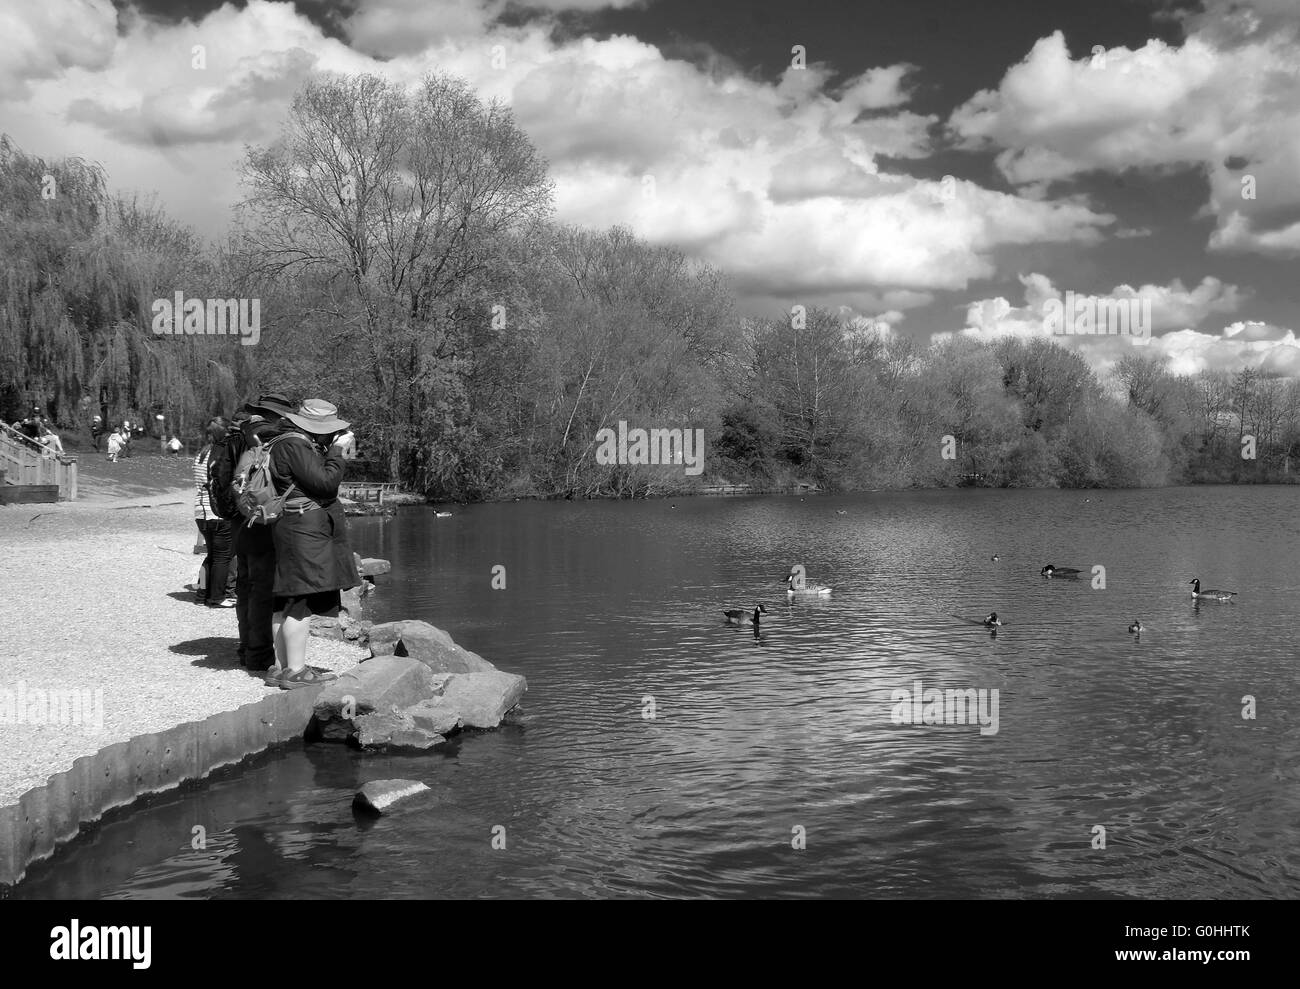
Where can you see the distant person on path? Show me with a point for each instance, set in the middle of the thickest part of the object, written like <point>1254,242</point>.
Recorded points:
<point>50,440</point>
<point>313,561</point>
<point>215,530</point>
<point>174,447</point>
<point>30,427</point>
<point>115,445</point>
<point>96,431</point>
<point>260,422</point>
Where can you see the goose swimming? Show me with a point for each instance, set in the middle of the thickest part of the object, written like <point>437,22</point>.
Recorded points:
<point>1136,627</point>
<point>808,588</point>
<point>736,614</point>
<point>992,621</point>
<point>1213,595</point>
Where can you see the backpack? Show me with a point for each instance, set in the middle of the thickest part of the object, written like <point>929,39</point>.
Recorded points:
<point>222,459</point>
<point>253,487</point>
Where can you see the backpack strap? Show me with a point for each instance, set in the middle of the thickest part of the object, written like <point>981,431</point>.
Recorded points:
<point>271,460</point>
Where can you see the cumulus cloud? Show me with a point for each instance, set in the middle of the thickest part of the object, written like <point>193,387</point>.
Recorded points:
<point>783,184</point>
<point>44,39</point>
<point>1226,102</point>
<point>1240,344</point>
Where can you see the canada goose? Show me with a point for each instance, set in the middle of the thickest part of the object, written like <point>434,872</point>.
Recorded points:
<point>806,589</point>
<point>1213,595</point>
<point>736,614</point>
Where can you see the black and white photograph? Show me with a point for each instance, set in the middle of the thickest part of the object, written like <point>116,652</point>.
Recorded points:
<point>659,450</point>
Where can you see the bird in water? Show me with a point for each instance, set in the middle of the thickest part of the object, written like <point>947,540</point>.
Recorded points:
<point>1213,595</point>
<point>992,621</point>
<point>1136,627</point>
<point>841,511</point>
<point>994,557</point>
<point>736,614</point>
<point>1051,571</point>
<point>808,588</point>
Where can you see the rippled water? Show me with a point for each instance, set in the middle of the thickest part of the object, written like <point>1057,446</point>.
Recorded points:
<point>608,604</point>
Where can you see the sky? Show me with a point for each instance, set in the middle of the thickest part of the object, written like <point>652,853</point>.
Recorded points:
<point>938,168</point>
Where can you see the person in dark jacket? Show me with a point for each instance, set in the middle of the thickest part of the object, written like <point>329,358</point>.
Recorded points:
<point>261,421</point>
<point>313,561</point>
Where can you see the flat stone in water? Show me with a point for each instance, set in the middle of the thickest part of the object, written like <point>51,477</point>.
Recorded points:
<point>378,795</point>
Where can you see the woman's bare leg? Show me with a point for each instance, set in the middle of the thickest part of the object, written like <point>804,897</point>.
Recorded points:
<point>294,633</point>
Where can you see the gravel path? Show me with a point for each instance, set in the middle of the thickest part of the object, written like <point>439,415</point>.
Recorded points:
<point>94,599</point>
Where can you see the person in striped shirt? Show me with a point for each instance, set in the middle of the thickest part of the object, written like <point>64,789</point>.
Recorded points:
<point>218,591</point>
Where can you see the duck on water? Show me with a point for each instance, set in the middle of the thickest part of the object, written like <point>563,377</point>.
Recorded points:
<point>1051,571</point>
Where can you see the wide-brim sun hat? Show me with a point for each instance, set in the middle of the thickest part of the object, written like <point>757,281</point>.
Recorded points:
<point>317,416</point>
<point>272,402</point>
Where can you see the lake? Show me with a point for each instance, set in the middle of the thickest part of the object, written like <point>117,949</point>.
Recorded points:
<point>757,745</point>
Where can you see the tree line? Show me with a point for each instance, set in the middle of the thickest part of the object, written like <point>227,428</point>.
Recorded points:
<point>408,266</point>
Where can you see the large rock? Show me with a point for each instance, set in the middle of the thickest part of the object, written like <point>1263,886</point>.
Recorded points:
<point>429,644</point>
<point>482,699</point>
<point>351,601</point>
<point>436,715</point>
<point>378,795</point>
<point>395,729</point>
<point>372,567</point>
<point>384,684</point>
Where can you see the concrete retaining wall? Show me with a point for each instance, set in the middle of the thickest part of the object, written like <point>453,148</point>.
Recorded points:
<point>47,816</point>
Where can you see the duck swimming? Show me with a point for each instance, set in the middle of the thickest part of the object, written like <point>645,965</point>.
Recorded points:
<point>992,621</point>
<point>736,614</point>
<point>1051,571</point>
<point>1213,595</point>
<point>808,588</point>
<point>1136,627</point>
<point>442,515</point>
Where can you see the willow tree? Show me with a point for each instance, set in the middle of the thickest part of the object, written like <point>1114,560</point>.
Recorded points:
<point>80,270</point>
<point>400,207</point>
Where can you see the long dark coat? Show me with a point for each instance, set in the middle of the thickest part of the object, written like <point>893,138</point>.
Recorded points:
<point>311,549</point>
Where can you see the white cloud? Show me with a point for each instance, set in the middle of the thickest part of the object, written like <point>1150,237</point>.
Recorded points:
<point>43,39</point>
<point>1240,344</point>
<point>776,183</point>
<point>1226,102</point>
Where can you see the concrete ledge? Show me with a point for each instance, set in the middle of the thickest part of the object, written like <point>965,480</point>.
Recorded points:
<point>47,816</point>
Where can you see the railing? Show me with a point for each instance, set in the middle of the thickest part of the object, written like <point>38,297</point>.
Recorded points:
<point>367,491</point>
<point>26,461</point>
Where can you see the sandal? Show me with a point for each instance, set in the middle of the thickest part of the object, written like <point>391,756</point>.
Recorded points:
<point>306,677</point>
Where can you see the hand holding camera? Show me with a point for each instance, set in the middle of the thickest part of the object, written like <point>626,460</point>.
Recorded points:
<point>346,443</point>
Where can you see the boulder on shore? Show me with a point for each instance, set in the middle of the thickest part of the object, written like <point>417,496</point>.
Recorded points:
<point>373,567</point>
<point>384,684</point>
<point>392,729</point>
<point>418,687</point>
<point>435,714</point>
<point>429,644</point>
<point>482,699</point>
<point>378,795</point>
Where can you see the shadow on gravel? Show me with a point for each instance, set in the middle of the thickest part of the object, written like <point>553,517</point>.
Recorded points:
<point>217,652</point>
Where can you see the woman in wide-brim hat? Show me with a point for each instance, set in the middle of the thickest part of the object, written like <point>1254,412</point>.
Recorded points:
<point>313,561</point>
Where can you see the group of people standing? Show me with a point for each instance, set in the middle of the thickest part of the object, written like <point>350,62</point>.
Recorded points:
<point>36,427</point>
<point>294,567</point>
